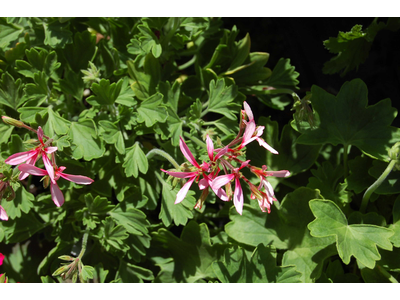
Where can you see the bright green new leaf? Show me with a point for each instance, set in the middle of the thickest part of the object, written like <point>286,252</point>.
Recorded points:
<point>87,272</point>
<point>152,111</point>
<point>178,213</point>
<point>11,91</point>
<point>57,34</point>
<point>347,120</point>
<point>54,124</point>
<point>5,132</point>
<point>85,142</point>
<point>221,97</point>
<point>352,48</point>
<point>135,160</point>
<point>262,268</point>
<point>356,240</point>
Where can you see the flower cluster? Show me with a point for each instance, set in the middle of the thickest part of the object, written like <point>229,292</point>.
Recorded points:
<point>27,160</point>
<point>226,159</point>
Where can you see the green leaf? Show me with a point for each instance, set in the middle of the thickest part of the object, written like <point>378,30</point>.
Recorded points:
<point>262,268</point>
<point>395,239</point>
<point>283,75</point>
<point>5,132</point>
<point>87,272</point>
<point>178,213</point>
<point>9,32</point>
<point>356,240</point>
<point>135,160</point>
<point>132,219</point>
<point>129,273</point>
<point>192,254</point>
<point>81,51</point>
<point>370,131</point>
<point>105,93</point>
<point>113,236</point>
<point>221,97</point>
<point>55,124</point>
<point>72,85</point>
<point>152,111</point>
<point>242,52</point>
<point>85,142</point>
<point>112,135</point>
<point>57,34</point>
<point>358,180</point>
<point>38,91</point>
<point>11,91</point>
<point>327,180</point>
<point>22,203</point>
<point>352,48</point>
<point>21,229</point>
<point>285,228</point>
<point>149,42</point>
<point>100,274</point>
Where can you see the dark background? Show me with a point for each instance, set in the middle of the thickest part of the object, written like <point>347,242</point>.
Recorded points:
<point>301,40</point>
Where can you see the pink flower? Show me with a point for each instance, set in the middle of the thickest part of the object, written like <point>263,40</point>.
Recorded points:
<point>200,170</point>
<point>253,132</point>
<point>3,215</point>
<point>238,199</point>
<point>265,199</point>
<point>56,194</point>
<point>1,258</point>
<point>31,156</point>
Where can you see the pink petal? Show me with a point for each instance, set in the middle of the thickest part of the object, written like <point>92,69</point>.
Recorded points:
<point>20,157</point>
<point>238,197</point>
<point>56,195</point>
<point>221,194</point>
<point>40,134</point>
<point>79,179</point>
<point>186,152</point>
<point>259,131</point>
<point>221,153</point>
<point>32,170</point>
<point>3,216</point>
<point>266,146</point>
<point>30,161</point>
<point>49,167</point>
<point>49,150</point>
<point>183,191</point>
<point>203,183</point>
<point>248,111</point>
<point>221,180</point>
<point>180,174</point>
<point>244,164</point>
<point>210,148</point>
<point>248,133</point>
<point>283,173</point>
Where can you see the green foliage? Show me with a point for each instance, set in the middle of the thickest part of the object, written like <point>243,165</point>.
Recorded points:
<point>115,96</point>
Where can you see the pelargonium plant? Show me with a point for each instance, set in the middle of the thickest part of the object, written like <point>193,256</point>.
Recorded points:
<point>165,150</point>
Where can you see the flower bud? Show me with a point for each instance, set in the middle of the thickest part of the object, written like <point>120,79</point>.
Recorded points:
<point>66,257</point>
<point>61,270</point>
<point>394,155</point>
<point>13,122</point>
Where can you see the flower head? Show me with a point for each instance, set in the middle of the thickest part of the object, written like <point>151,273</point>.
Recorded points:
<point>56,194</point>
<point>31,156</point>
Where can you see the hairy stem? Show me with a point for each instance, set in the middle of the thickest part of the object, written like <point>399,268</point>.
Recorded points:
<point>164,154</point>
<point>375,185</point>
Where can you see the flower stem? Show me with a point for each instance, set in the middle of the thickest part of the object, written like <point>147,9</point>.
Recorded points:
<point>164,154</point>
<point>84,243</point>
<point>375,185</point>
